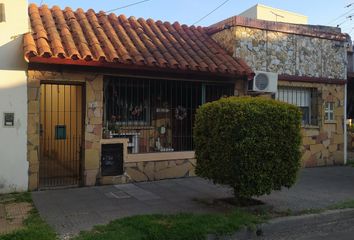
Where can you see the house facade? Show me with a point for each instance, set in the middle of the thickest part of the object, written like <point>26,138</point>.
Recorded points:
<point>350,103</point>
<point>112,100</point>
<point>311,63</point>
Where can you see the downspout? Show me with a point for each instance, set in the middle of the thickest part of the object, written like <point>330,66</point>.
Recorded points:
<point>345,125</point>
<point>345,155</point>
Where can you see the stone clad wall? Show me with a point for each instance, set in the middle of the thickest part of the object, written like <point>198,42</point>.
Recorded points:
<point>33,93</point>
<point>93,121</point>
<point>93,128</point>
<point>323,145</point>
<point>285,53</point>
<point>134,171</point>
<point>157,170</point>
<point>299,55</point>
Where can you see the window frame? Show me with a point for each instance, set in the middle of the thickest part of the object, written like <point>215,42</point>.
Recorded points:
<point>161,130</point>
<point>2,13</point>
<point>312,107</point>
<point>328,111</point>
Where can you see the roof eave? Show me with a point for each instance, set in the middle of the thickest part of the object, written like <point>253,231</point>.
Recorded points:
<point>38,63</point>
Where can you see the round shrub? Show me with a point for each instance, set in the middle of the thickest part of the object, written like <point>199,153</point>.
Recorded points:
<point>250,144</point>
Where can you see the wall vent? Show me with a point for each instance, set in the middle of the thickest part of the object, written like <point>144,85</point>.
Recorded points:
<point>2,12</point>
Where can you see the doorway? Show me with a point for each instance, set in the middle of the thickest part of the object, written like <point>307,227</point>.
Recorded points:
<point>61,135</point>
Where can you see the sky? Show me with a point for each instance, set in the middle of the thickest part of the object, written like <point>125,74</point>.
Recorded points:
<point>320,12</point>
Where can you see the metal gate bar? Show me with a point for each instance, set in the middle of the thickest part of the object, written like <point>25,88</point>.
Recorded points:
<point>60,135</point>
<point>156,115</point>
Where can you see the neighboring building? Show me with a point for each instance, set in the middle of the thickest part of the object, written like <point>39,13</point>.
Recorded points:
<point>13,96</point>
<point>350,103</point>
<point>100,84</point>
<point>311,62</point>
<point>262,12</point>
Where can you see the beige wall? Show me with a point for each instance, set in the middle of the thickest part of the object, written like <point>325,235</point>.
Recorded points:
<point>13,97</point>
<point>267,13</point>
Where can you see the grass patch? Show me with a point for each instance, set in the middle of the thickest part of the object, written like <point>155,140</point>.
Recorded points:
<point>34,227</point>
<point>15,198</point>
<point>172,227</point>
<point>350,163</point>
<point>342,205</point>
<point>156,227</point>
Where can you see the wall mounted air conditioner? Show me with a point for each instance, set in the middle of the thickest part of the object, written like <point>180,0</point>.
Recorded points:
<point>266,82</point>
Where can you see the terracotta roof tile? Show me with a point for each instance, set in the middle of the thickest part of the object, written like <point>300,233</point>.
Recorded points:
<point>65,34</point>
<point>92,36</point>
<point>77,34</point>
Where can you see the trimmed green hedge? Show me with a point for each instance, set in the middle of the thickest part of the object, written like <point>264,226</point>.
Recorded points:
<point>250,144</point>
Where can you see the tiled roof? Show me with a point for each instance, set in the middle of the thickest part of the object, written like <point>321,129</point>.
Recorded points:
<point>91,36</point>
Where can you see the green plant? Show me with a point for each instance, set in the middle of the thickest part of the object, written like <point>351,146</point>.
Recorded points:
<point>34,228</point>
<point>177,227</point>
<point>342,205</point>
<point>250,144</point>
<point>15,197</point>
<point>351,128</point>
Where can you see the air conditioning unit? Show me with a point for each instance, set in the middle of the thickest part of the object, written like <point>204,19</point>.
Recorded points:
<point>264,82</point>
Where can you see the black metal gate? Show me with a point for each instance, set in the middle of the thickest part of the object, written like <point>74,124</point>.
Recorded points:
<point>61,117</point>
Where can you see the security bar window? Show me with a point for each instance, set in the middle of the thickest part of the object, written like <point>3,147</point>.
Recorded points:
<point>329,111</point>
<point>305,98</point>
<point>156,115</point>
<point>2,12</point>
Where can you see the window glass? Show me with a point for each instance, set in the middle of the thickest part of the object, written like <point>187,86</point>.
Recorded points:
<point>329,111</point>
<point>156,115</point>
<point>304,98</point>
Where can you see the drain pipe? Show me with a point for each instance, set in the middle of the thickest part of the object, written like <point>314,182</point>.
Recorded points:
<point>345,125</point>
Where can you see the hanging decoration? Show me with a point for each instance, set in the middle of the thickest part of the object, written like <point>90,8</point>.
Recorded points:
<point>180,113</point>
<point>136,111</point>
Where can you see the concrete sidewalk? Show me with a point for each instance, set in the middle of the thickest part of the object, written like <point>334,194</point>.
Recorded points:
<point>72,210</point>
<point>316,188</point>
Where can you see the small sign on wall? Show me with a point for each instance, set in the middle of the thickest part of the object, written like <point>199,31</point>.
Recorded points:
<point>9,119</point>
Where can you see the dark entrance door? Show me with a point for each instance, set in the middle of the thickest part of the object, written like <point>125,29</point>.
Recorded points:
<point>61,132</point>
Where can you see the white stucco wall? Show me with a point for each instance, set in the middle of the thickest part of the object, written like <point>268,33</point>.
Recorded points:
<point>263,12</point>
<point>13,97</point>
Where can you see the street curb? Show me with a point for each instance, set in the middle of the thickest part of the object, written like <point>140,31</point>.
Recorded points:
<point>310,215</point>
<point>261,230</point>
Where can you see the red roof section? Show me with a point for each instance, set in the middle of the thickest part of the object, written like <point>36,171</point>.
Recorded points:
<point>98,37</point>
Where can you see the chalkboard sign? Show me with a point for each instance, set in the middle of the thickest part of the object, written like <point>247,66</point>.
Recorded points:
<point>112,159</point>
